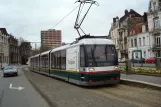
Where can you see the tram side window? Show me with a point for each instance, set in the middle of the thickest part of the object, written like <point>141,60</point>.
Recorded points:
<point>47,62</point>
<point>31,62</point>
<point>34,61</point>
<point>82,57</point>
<point>43,61</point>
<point>53,60</point>
<point>56,58</point>
<point>59,60</point>
<point>63,59</point>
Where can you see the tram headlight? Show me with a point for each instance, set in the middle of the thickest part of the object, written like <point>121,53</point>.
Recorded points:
<point>116,67</point>
<point>91,69</point>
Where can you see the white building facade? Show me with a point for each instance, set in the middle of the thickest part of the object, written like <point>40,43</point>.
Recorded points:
<point>115,34</point>
<point>154,25</point>
<point>140,40</point>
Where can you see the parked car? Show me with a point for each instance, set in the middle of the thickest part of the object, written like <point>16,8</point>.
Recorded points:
<point>3,65</point>
<point>150,60</point>
<point>10,70</point>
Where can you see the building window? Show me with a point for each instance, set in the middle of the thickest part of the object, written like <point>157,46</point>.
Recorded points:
<point>143,41</point>
<point>134,32</point>
<point>143,28</point>
<point>135,42</point>
<point>131,42</point>
<point>140,41</point>
<point>144,54</point>
<point>136,55</point>
<point>157,40</point>
<point>156,23</point>
<point>154,5</point>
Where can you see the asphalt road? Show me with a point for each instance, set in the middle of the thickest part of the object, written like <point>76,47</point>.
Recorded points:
<point>27,97</point>
<point>63,94</point>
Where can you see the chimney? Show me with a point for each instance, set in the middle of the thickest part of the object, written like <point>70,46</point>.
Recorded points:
<point>145,17</point>
<point>126,12</point>
<point>117,19</point>
<point>114,20</point>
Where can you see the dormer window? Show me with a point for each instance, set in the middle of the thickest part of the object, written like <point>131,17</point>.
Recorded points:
<point>132,15</point>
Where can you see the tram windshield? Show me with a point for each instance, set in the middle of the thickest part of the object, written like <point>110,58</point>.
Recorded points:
<point>101,55</point>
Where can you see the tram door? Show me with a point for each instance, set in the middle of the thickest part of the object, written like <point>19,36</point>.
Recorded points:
<point>72,59</point>
<point>72,63</point>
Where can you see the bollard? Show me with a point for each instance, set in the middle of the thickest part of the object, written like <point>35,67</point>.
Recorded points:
<point>128,66</point>
<point>157,64</point>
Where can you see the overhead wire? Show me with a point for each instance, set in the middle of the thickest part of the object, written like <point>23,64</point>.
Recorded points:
<point>65,16</point>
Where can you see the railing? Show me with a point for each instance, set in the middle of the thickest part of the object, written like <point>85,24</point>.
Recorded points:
<point>157,46</point>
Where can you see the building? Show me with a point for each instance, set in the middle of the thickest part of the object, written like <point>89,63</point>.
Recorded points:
<point>114,34</point>
<point>25,51</point>
<point>154,25</point>
<point>139,42</point>
<point>4,47</point>
<point>13,50</point>
<point>51,38</point>
<point>120,30</point>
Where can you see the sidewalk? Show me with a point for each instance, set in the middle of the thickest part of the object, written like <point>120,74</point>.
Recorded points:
<point>142,78</point>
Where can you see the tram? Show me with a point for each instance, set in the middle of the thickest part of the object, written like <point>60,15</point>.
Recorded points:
<point>87,62</point>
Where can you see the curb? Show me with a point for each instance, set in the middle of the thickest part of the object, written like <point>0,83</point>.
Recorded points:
<point>39,91</point>
<point>140,84</point>
<point>142,74</point>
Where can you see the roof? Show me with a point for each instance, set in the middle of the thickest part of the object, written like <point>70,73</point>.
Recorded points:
<point>4,31</point>
<point>137,29</point>
<point>44,53</point>
<point>88,41</point>
<point>128,14</point>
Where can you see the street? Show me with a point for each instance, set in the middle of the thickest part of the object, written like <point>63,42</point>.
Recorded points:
<point>18,92</point>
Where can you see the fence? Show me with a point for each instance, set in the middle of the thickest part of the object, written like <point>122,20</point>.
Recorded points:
<point>141,68</point>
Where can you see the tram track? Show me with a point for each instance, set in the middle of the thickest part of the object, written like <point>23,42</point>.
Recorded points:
<point>134,96</point>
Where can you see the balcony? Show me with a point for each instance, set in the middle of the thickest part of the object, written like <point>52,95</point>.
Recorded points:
<point>157,46</point>
<point>156,30</point>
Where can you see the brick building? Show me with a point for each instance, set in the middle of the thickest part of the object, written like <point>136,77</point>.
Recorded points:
<point>51,38</point>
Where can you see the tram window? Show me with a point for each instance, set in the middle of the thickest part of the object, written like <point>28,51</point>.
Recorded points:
<point>47,61</point>
<point>63,59</point>
<point>59,59</point>
<point>53,60</point>
<point>82,58</point>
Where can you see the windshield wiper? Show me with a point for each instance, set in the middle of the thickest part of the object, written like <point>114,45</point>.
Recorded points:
<point>93,56</point>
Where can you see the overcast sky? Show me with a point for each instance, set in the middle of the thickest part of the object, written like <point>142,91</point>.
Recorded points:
<point>26,18</point>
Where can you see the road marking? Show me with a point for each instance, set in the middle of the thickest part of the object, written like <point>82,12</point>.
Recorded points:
<point>16,88</point>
